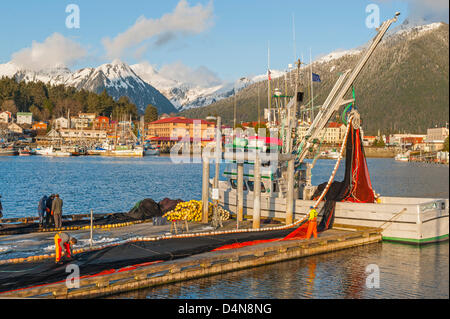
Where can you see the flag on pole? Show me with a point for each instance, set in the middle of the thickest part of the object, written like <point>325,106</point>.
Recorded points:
<point>316,77</point>
<point>268,73</point>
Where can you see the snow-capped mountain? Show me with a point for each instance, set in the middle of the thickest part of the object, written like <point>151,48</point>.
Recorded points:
<point>188,95</point>
<point>117,78</point>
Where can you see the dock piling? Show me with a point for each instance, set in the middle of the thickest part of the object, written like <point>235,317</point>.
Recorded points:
<point>257,193</point>
<point>290,193</point>
<point>205,190</point>
<point>240,191</point>
<point>91,235</point>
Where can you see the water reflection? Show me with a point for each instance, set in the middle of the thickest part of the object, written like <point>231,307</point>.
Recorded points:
<point>405,272</point>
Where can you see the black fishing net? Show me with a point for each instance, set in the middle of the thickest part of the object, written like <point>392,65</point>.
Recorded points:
<point>143,210</point>
<point>341,191</point>
<point>16,276</point>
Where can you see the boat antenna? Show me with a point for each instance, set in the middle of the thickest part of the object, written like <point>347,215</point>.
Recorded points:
<point>293,34</point>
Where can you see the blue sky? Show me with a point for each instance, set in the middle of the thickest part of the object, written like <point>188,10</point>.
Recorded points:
<point>231,43</point>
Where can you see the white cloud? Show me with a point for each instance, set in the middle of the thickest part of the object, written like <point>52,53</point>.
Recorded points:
<point>426,11</point>
<point>200,76</point>
<point>183,20</point>
<point>56,50</point>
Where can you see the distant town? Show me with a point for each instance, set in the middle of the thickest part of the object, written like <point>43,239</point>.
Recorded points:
<point>90,131</point>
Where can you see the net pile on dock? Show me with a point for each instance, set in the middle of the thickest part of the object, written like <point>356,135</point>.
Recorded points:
<point>191,211</point>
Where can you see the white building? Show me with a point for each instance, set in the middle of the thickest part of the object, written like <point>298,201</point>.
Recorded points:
<point>5,117</point>
<point>332,134</point>
<point>438,134</point>
<point>82,134</point>
<point>24,118</point>
<point>15,128</point>
<point>61,123</point>
<point>83,120</point>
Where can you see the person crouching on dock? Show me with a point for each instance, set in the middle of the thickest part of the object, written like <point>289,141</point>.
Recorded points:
<point>312,227</point>
<point>66,241</point>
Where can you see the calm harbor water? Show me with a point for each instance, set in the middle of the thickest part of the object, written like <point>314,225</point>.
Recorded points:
<point>115,185</point>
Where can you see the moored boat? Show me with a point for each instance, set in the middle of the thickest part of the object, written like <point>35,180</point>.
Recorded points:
<point>8,151</point>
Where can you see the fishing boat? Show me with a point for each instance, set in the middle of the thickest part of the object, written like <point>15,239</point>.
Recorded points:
<point>402,157</point>
<point>26,152</point>
<point>151,150</point>
<point>52,151</point>
<point>123,151</point>
<point>285,176</point>
<point>8,151</point>
<point>331,154</point>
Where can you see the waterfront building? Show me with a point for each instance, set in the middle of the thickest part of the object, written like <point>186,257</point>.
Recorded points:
<point>75,135</point>
<point>82,134</point>
<point>369,140</point>
<point>435,138</point>
<point>437,134</point>
<point>40,126</point>
<point>5,117</point>
<point>402,139</point>
<point>24,118</point>
<point>333,133</point>
<point>61,123</point>
<point>15,128</point>
<point>102,123</point>
<point>168,131</point>
<point>83,120</point>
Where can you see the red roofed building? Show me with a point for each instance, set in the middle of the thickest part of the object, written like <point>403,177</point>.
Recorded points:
<point>101,123</point>
<point>174,128</point>
<point>334,133</point>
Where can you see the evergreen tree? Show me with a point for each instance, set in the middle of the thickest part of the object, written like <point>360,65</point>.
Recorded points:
<point>446,146</point>
<point>151,114</point>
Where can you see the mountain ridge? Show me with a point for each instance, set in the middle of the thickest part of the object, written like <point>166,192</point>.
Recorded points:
<point>404,86</point>
<point>117,78</point>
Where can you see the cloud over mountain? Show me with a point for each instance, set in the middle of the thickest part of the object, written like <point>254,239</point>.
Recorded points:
<point>56,50</point>
<point>200,76</point>
<point>184,20</point>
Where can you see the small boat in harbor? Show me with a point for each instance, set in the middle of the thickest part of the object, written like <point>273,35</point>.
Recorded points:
<point>151,150</point>
<point>331,154</point>
<point>26,152</point>
<point>402,157</point>
<point>51,151</point>
<point>8,151</point>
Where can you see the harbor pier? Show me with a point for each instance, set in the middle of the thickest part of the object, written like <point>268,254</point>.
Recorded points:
<point>202,265</point>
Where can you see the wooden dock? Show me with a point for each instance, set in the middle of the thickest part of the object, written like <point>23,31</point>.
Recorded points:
<point>206,264</point>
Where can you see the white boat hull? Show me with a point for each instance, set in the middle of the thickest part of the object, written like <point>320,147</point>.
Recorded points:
<point>410,220</point>
<point>151,152</point>
<point>124,153</point>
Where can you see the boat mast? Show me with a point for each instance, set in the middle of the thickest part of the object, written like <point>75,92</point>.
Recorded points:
<point>336,97</point>
<point>269,100</point>
<point>312,87</point>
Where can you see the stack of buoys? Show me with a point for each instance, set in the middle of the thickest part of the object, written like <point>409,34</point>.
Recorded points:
<point>191,211</point>
<point>223,213</point>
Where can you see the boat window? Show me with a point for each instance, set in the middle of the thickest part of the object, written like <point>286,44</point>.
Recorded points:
<point>233,183</point>
<point>251,185</point>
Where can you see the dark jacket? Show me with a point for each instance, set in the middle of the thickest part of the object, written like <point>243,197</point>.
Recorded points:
<point>57,206</point>
<point>48,204</point>
<point>42,205</point>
